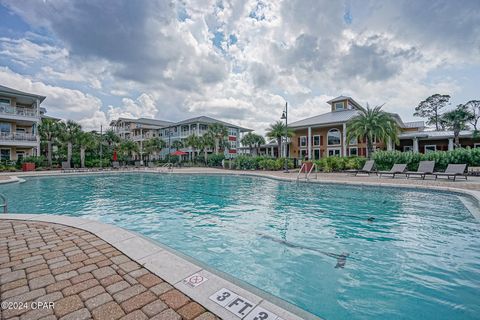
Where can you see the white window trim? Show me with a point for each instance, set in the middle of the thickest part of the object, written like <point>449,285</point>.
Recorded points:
<point>334,149</point>
<point>429,145</point>
<point>353,144</point>
<point>9,101</point>
<point>319,153</point>
<point>338,144</point>
<point>306,142</point>
<point>351,148</point>
<point>337,103</point>
<point>319,140</point>
<point>476,145</point>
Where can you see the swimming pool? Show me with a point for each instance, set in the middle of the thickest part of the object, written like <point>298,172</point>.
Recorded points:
<point>337,251</point>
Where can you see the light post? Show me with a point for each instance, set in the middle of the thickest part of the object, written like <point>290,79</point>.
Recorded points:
<point>285,116</point>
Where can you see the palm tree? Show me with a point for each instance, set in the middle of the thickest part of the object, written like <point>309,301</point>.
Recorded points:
<point>49,131</point>
<point>370,123</point>
<point>177,144</point>
<point>111,137</point>
<point>456,120</point>
<point>86,140</point>
<point>193,141</point>
<point>69,134</point>
<point>154,145</point>
<point>128,147</point>
<point>277,131</point>
<point>218,131</point>
<point>253,140</point>
<point>206,141</point>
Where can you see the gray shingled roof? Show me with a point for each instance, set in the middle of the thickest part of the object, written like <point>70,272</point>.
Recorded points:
<point>22,93</point>
<point>434,134</point>
<point>414,124</point>
<point>208,120</point>
<point>326,118</point>
<point>154,122</point>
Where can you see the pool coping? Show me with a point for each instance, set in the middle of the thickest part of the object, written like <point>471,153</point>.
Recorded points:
<point>175,268</point>
<point>474,195</point>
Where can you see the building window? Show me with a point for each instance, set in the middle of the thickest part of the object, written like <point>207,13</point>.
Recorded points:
<point>303,141</point>
<point>339,106</point>
<point>430,148</point>
<point>476,145</point>
<point>333,137</point>
<point>316,140</point>
<point>353,141</point>
<point>20,155</point>
<point>316,154</point>
<point>4,154</point>
<point>407,148</point>
<point>303,153</point>
<point>232,132</point>
<point>334,152</point>
<point>353,151</point>
<point>5,127</point>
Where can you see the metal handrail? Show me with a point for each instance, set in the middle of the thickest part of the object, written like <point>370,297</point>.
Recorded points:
<point>4,204</point>
<point>311,169</point>
<point>300,171</point>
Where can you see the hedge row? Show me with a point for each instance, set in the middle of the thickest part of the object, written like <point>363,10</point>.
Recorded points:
<point>259,163</point>
<point>329,164</point>
<point>384,160</point>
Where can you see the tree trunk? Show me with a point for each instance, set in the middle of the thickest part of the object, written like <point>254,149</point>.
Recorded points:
<point>69,153</point>
<point>456,135</point>
<point>369,148</point>
<point>82,157</point>
<point>217,143</point>
<point>279,142</point>
<point>205,155</point>
<point>49,153</point>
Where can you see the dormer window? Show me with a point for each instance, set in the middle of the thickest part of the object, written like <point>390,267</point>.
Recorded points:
<point>339,106</point>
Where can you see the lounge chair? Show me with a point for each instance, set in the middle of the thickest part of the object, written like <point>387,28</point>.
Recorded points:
<point>398,168</point>
<point>453,170</point>
<point>368,168</point>
<point>115,165</point>
<point>424,168</point>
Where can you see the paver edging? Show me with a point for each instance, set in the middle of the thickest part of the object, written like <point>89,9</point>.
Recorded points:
<point>217,280</point>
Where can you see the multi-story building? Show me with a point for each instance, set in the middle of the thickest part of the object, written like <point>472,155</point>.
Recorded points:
<point>326,135</point>
<point>20,115</point>
<point>144,129</point>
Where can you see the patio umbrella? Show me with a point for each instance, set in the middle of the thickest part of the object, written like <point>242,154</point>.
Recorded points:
<point>115,157</point>
<point>179,153</point>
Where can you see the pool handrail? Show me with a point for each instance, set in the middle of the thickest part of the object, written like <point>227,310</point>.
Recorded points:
<point>4,204</point>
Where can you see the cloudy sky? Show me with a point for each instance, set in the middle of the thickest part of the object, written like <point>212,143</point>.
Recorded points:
<point>237,60</point>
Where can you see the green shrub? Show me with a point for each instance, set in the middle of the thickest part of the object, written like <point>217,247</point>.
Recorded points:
<point>215,160</point>
<point>384,160</point>
<point>331,164</point>
<point>39,161</point>
<point>263,163</point>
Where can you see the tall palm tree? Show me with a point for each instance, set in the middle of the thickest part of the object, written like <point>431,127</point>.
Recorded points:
<point>177,144</point>
<point>456,120</point>
<point>206,141</point>
<point>219,132</point>
<point>277,131</point>
<point>69,134</point>
<point>128,147</point>
<point>370,123</point>
<point>193,141</point>
<point>86,140</point>
<point>253,140</point>
<point>154,145</point>
<point>111,137</point>
<point>49,131</point>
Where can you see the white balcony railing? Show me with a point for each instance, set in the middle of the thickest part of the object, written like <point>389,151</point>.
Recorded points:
<point>18,111</point>
<point>17,137</point>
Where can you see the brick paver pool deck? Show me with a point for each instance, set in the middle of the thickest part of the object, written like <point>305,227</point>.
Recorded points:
<point>84,276</point>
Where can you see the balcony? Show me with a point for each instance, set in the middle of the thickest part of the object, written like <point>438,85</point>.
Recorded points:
<point>18,139</point>
<point>21,112</point>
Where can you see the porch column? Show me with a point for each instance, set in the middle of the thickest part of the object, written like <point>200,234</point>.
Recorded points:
<point>415,145</point>
<point>272,153</point>
<point>450,144</point>
<point>198,129</point>
<point>389,145</point>
<point>309,143</point>
<point>344,140</point>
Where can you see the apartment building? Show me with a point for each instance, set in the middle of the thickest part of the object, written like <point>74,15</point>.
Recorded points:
<point>20,115</point>
<point>325,135</point>
<point>144,129</point>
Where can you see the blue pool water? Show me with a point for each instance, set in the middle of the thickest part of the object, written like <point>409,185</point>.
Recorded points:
<point>418,259</point>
